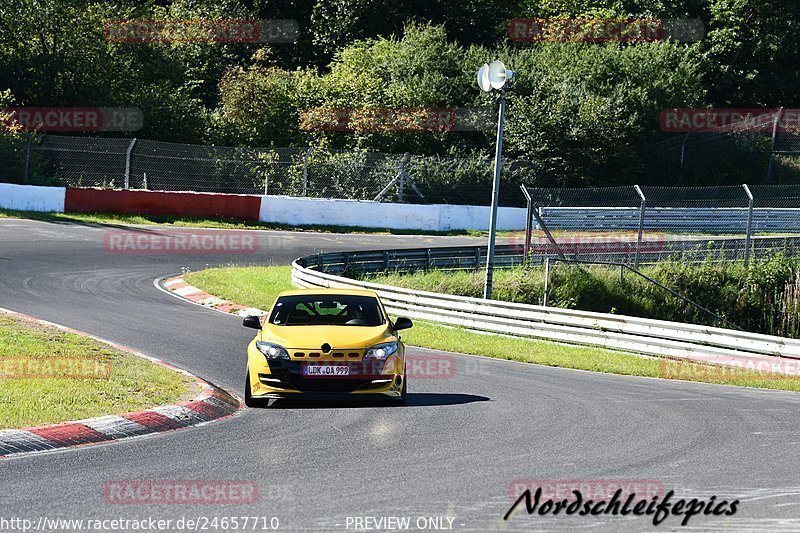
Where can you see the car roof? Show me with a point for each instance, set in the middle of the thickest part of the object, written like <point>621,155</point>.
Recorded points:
<point>328,292</point>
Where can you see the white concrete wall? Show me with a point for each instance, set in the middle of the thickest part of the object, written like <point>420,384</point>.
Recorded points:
<point>298,211</point>
<point>32,197</point>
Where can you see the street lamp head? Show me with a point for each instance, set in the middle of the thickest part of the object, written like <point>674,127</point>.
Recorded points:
<point>483,78</point>
<point>495,76</point>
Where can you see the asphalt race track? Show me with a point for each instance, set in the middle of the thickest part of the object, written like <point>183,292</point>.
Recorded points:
<point>451,452</point>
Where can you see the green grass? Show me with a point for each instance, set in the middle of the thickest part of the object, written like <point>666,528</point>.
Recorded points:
<point>252,286</point>
<point>258,287</point>
<point>132,384</point>
<point>218,223</point>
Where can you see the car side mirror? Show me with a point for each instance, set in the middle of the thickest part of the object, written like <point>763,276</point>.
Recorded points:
<point>402,323</point>
<point>252,322</point>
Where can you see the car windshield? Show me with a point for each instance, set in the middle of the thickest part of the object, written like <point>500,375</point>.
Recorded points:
<point>327,310</point>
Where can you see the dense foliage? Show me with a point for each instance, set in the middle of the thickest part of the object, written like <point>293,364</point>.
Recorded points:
<point>581,113</point>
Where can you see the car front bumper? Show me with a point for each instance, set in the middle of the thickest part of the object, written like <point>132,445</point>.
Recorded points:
<point>286,380</point>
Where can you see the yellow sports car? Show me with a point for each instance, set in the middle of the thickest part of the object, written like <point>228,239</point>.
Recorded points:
<point>325,342</point>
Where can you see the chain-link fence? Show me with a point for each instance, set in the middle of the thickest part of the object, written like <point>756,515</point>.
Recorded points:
<point>349,174</point>
<point>641,224</point>
<point>747,150</point>
<point>314,171</point>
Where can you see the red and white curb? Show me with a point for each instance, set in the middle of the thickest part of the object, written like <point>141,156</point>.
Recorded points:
<point>177,286</point>
<point>211,404</point>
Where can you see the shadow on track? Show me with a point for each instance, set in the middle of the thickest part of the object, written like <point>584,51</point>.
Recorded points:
<point>99,225</point>
<point>419,399</point>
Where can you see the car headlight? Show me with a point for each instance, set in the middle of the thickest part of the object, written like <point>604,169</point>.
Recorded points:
<point>381,351</point>
<point>272,351</point>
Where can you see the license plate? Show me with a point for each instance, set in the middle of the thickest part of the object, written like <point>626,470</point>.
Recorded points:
<point>326,370</point>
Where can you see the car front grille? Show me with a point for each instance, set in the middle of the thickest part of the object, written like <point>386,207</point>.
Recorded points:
<point>336,355</point>
<point>291,375</point>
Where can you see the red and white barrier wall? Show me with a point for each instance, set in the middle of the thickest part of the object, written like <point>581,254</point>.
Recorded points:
<point>182,204</point>
<point>31,198</point>
<point>296,211</point>
<point>291,211</point>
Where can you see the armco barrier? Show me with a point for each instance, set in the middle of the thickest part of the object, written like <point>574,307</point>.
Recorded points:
<point>688,219</point>
<point>617,332</point>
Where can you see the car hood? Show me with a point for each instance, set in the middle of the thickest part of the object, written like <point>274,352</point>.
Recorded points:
<point>313,337</point>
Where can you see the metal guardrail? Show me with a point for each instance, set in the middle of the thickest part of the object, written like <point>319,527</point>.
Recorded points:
<point>413,259</point>
<point>510,255</point>
<point>675,219</point>
<point>617,332</point>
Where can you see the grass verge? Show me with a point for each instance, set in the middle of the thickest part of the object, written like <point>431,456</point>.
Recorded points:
<point>258,287</point>
<point>217,223</point>
<point>35,391</point>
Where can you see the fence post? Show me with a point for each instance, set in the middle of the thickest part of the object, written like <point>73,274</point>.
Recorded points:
<point>543,226</point>
<point>683,148</point>
<point>401,178</point>
<point>305,169</point>
<point>546,280</point>
<point>641,224</point>
<point>26,172</point>
<point>128,163</point>
<point>528,224</point>
<point>772,149</point>
<point>398,180</point>
<point>749,234</point>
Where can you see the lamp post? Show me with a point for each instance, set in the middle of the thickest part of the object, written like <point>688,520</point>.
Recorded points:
<point>495,76</point>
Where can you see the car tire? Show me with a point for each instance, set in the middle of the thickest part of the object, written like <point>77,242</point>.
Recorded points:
<point>249,401</point>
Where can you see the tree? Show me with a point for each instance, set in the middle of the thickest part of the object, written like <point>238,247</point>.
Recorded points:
<point>751,53</point>
<point>580,112</point>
